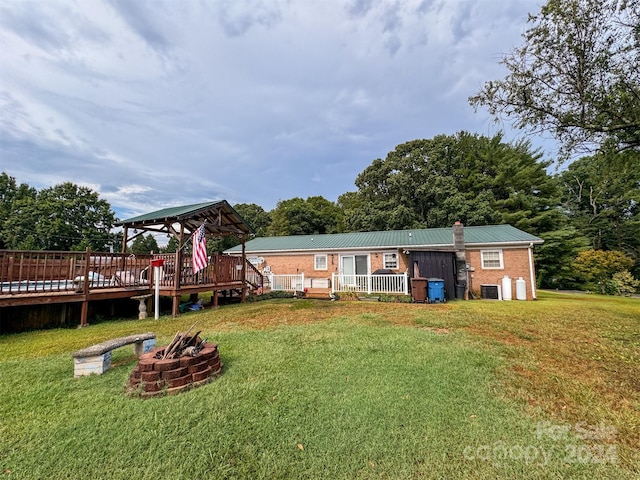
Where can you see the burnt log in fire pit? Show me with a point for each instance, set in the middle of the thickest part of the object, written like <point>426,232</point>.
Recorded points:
<point>185,363</point>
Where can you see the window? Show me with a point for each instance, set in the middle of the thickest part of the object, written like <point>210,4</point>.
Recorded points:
<point>390,260</point>
<point>492,259</point>
<point>320,262</point>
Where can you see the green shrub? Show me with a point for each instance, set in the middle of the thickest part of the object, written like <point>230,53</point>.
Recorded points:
<point>395,298</point>
<point>270,295</point>
<point>382,297</point>
<point>597,267</point>
<point>623,283</point>
<point>347,296</point>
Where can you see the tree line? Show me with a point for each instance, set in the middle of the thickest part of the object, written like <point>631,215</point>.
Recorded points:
<point>591,206</point>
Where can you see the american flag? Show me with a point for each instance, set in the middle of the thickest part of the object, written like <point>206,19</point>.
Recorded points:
<point>199,250</point>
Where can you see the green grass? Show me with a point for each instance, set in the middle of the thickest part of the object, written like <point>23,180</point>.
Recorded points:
<point>314,389</point>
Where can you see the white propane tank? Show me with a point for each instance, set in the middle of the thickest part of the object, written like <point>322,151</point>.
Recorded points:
<point>506,288</point>
<point>521,289</point>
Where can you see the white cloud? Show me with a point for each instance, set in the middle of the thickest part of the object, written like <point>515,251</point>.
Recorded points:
<point>163,102</point>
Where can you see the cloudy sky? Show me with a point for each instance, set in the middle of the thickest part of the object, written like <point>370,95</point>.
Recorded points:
<point>162,103</point>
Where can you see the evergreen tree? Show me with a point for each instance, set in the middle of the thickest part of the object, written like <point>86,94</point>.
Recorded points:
<point>144,245</point>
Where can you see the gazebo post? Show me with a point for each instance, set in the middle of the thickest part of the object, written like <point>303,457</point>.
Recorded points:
<point>125,233</point>
<point>214,298</point>
<point>84,312</point>
<point>178,273</point>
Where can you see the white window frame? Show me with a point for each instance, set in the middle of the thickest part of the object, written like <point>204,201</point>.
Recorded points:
<point>315,261</point>
<point>500,259</point>
<point>395,259</point>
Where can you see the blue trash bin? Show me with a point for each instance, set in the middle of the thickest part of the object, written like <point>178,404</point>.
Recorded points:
<point>435,290</point>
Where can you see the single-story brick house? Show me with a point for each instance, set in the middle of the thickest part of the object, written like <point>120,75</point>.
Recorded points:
<point>476,259</point>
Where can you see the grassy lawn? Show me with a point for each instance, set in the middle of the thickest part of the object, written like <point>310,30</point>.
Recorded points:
<point>317,389</point>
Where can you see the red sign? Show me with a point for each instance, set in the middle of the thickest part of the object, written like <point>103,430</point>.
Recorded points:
<point>157,262</point>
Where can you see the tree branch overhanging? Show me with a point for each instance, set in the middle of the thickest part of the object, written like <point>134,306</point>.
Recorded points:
<point>576,76</point>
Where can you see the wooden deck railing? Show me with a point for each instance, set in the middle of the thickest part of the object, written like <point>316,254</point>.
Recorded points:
<point>17,266</point>
<point>53,271</point>
<point>254,277</point>
<point>222,269</point>
<point>48,271</point>
<point>45,277</point>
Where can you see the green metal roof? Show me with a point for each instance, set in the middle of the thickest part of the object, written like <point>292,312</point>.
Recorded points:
<point>218,218</point>
<point>170,213</point>
<point>417,238</point>
<point>498,234</point>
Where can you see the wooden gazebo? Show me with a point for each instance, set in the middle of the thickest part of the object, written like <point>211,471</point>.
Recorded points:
<point>219,219</point>
<point>223,272</point>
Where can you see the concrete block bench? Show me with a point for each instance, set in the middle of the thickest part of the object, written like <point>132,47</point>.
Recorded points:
<point>97,358</point>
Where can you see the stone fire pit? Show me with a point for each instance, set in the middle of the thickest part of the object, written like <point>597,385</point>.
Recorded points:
<point>185,363</point>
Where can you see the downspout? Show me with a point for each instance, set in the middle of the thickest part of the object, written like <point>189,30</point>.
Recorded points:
<point>532,275</point>
<point>461,286</point>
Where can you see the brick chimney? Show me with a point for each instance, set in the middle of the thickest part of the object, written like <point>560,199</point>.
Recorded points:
<point>458,236</point>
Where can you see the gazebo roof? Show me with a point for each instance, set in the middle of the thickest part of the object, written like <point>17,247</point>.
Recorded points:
<point>219,218</point>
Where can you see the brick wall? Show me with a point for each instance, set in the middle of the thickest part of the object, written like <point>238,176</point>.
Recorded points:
<point>292,264</point>
<point>515,263</point>
<point>304,263</point>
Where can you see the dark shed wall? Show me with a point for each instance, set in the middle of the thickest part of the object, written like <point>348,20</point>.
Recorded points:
<point>435,265</point>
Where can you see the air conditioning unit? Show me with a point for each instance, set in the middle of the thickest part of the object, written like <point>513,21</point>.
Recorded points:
<point>491,292</point>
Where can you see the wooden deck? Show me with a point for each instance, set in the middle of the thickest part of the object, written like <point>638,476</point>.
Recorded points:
<point>45,277</point>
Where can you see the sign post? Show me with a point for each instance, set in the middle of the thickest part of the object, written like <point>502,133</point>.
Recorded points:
<point>157,264</point>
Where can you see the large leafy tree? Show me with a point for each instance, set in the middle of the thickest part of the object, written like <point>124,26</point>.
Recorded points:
<point>478,180</point>
<point>63,217</point>
<point>576,75</point>
<point>10,194</point>
<point>255,216</point>
<point>298,216</point>
<point>363,215</point>
<point>601,196</point>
